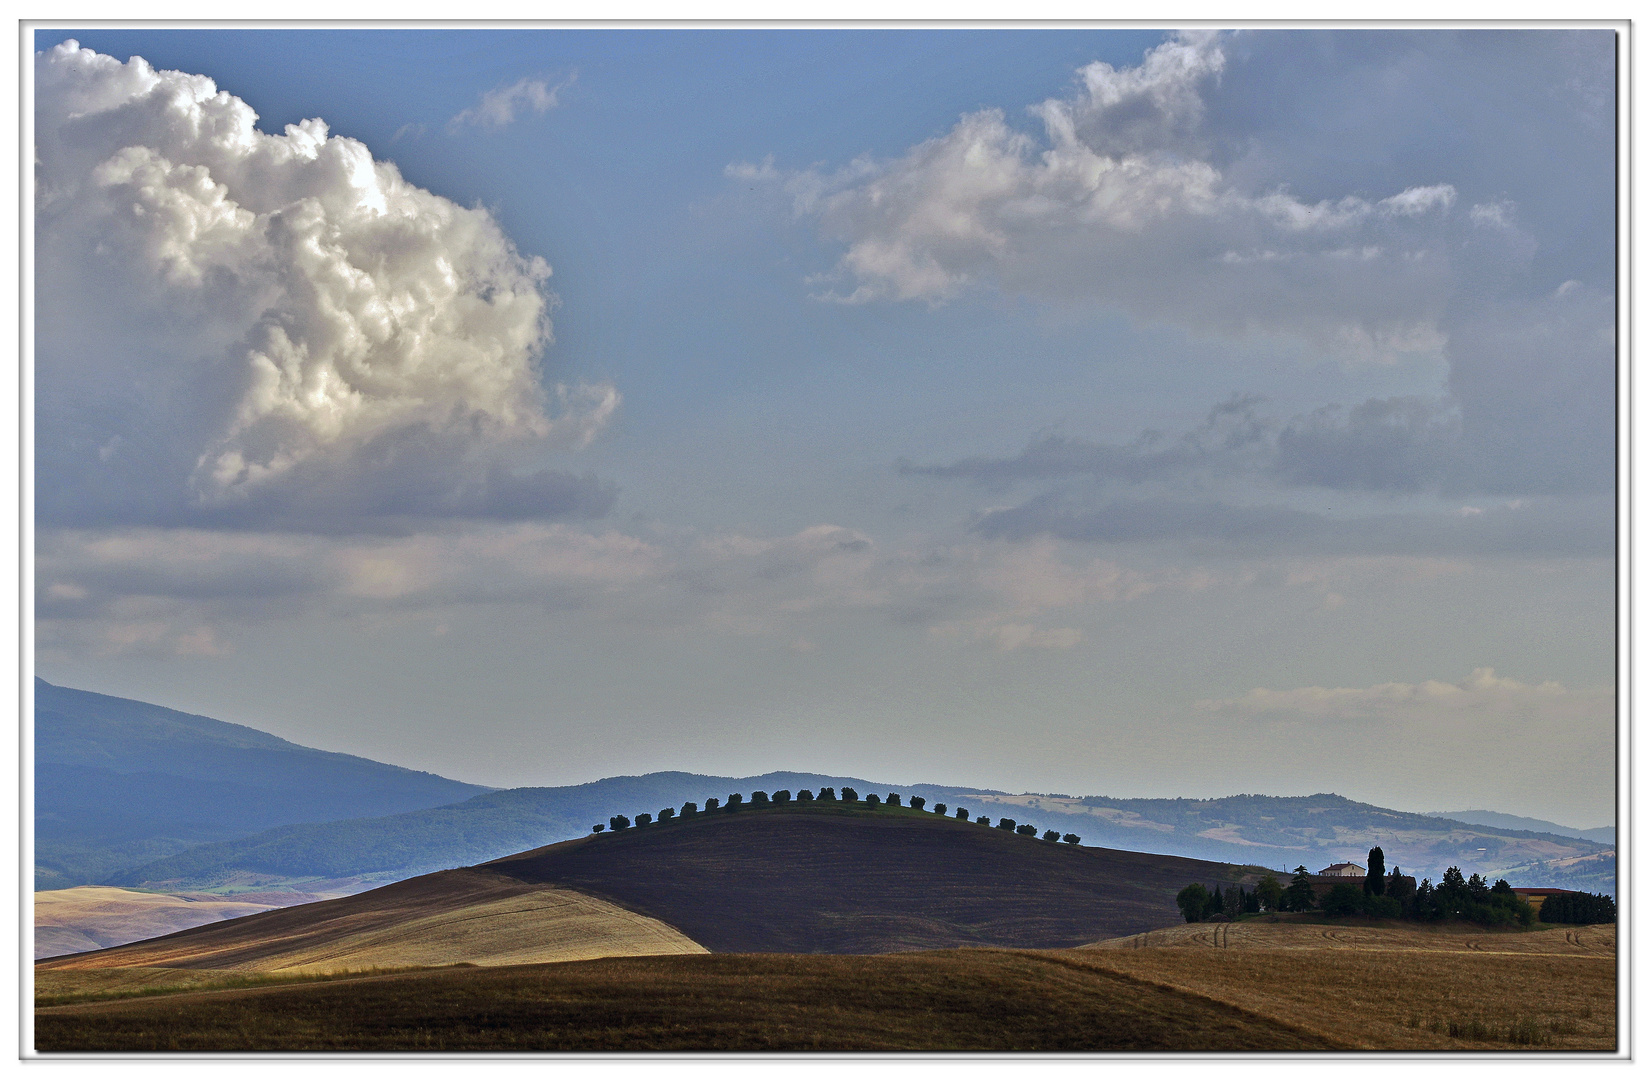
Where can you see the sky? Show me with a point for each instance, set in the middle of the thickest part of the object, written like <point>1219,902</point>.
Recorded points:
<point>1100,411</point>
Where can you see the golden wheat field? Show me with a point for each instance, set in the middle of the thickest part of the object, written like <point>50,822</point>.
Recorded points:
<point>453,917</point>
<point>1272,987</point>
<point>1394,987</point>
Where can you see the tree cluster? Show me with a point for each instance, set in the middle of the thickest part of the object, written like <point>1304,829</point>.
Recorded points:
<point>735,802</point>
<point>1578,907</point>
<point>1394,896</point>
<point>1199,903</point>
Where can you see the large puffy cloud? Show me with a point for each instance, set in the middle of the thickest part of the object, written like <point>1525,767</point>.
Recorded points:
<point>1167,190</point>
<point>1117,206</point>
<point>231,323</point>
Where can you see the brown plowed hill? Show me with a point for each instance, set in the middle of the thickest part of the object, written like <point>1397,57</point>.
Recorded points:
<point>452,917</point>
<point>847,880</point>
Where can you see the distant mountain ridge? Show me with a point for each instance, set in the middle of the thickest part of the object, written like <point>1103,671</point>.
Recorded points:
<point>1280,832</point>
<point>1606,834</point>
<point>137,795</point>
<point>120,782</point>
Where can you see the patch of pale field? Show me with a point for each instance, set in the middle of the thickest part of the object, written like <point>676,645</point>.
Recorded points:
<point>546,926</point>
<point>1394,988</point>
<point>90,917</point>
<point>456,917</point>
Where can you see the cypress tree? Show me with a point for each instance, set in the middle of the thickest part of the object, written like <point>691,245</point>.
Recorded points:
<point>1374,885</point>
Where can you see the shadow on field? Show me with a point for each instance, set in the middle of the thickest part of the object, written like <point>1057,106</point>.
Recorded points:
<point>973,1000</point>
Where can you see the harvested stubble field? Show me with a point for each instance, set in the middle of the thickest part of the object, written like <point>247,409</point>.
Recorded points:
<point>1394,987</point>
<point>976,1000</point>
<point>1357,988</point>
<point>455,916</point>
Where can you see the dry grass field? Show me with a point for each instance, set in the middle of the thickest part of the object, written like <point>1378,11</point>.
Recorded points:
<point>952,1000</point>
<point>456,916</point>
<point>98,917</point>
<point>1395,987</point>
<point>1398,991</point>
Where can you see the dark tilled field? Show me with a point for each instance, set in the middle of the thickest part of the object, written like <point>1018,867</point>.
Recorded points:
<point>867,881</point>
<point>977,1000</point>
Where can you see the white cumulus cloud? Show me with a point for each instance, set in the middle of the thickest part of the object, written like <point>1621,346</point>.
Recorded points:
<point>254,315</point>
<point>1117,203</point>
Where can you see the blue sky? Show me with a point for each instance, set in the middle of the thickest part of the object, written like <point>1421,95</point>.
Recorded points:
<point>1020,408</point>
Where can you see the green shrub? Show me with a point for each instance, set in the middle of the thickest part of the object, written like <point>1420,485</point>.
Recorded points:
<point>1071,838</point>
<point>642,820</point>
<point>781,797</point>
<point>1050,835</point>
<point>1006,823</point>
<point>688,809</point>
<point>1343,899</point>
<point>618,823</point>
<point>803,795</point>
<point>1192,901</point>
<point>665,814</point>
<point>940,809</point>
<point>983,820</point>
<point>917,802</point>
<point>961,813</point>
<point>849,794</point>
<point>1026,830</point>
<point>600,828</point>
<point>826,794</point>
<point>759,798</point>
<point>1383,907</point>
<point>711,805</point>
<point>873,799</point>
<point>734,801</point>
<point>893,799</point>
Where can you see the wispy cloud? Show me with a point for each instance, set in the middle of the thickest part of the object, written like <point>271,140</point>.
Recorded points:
<point>500,107</point>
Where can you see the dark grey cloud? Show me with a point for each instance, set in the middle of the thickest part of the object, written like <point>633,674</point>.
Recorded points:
<point>392,484</point>
<point>1231,434</point>
<point>1569,528</point>
<point>1383,444</point>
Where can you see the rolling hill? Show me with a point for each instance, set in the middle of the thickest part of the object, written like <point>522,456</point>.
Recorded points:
<point>837,879</point>
<point>121,782</point>
<point>822,920</point>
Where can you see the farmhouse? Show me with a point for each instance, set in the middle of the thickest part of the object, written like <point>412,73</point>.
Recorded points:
<point>1344,870</point>
<point>1536,897</point>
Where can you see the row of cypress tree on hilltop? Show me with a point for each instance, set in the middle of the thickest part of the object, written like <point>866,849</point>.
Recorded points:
<point>760,799</point>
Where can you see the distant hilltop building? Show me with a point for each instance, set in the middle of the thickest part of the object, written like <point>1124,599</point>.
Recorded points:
<point>1344,870</point>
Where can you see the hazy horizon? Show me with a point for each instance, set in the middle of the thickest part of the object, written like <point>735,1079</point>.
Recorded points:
<point>1096,411</point>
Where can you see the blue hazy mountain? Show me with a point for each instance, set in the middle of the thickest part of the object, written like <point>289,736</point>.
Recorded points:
<point>121,782</point>
<point>1606,834</point>
<point>134,794</point>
